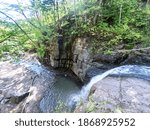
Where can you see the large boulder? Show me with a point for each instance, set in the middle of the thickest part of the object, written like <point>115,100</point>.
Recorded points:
<point>23,85</point>
<point>118,94</point>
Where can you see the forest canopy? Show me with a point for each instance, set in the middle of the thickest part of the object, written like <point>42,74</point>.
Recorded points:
<point>109,23</point>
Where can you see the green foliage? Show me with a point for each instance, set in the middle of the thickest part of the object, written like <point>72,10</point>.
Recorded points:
<point>108,23</point>
<point>12,40</point>
<point>123,22</point>
<point>108,52</point>
<point>90,107</point>
<point>41,51</point>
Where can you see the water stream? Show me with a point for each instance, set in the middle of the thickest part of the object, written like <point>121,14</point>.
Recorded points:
<point>58,96</point>
<point>142,72</point>
<point>65,92</point>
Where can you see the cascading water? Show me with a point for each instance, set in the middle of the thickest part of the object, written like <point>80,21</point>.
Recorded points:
<point>63,90</point>
<point>137,71</point>
<point>67,91</point>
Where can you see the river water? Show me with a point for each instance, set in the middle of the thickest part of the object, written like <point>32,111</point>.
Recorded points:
<point>65,92</point>
<point>57,97</point>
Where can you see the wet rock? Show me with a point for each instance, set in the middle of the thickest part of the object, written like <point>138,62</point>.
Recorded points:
<point>4,100</point>
<point>17,99</point>
<point>137,58</point>
<point>123,58</point>
<point>93,71</point>
<point>110,59</point>
<point>1,97</point>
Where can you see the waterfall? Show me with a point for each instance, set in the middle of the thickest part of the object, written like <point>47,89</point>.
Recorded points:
<point>126,70</point>
<point>86,89</point>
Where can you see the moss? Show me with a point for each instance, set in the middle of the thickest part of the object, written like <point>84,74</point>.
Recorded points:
<point>91,107</point>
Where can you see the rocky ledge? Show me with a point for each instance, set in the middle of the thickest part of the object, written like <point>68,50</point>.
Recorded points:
<point>22,85</point>
<point>118,94</point>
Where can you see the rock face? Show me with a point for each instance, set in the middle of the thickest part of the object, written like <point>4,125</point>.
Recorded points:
<point>78,58</point>
<point>22,86</point>
<point>116,94</point>
<point>81,57</point>
<point>54,59</point>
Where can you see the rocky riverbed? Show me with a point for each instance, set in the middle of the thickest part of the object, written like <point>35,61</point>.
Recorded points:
<point>28,86</point>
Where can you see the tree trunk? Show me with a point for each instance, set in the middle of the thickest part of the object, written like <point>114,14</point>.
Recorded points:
<point>120,14</point>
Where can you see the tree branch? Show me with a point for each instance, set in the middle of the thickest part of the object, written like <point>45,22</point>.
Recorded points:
<point>6,38</point>
<point>22,12</point>
<point>18,26</point>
